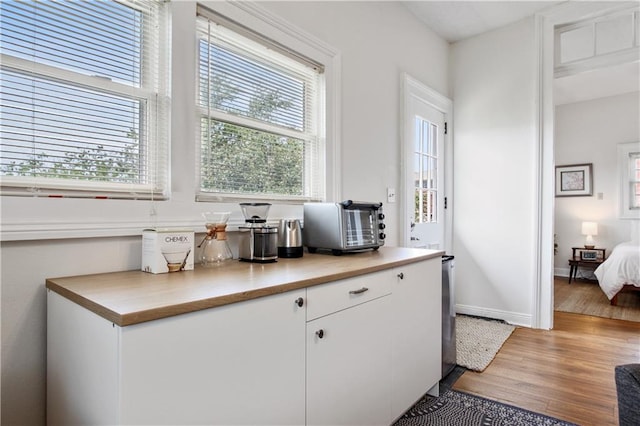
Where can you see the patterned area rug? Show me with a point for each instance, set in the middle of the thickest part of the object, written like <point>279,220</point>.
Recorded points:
<point>478,340</point>
<point>454,408</point>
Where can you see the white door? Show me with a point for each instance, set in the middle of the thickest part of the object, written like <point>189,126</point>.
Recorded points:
<point>424,165</point>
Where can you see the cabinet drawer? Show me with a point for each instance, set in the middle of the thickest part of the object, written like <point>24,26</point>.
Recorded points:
<point>335,296</point>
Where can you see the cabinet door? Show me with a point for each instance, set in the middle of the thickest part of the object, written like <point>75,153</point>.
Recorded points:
<point>349,366</point>
<point>237,364</point>
<point>417,306</point>
<point>82,376</point>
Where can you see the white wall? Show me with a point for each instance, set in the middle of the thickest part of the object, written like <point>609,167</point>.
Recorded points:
<point>589,132</point>
<point>25,267</point>
<point>377,40</point>
<point>494,98</point>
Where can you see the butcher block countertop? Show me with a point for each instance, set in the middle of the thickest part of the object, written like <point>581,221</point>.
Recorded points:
<point>133,297</point>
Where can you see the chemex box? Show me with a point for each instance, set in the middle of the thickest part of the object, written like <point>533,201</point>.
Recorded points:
<point>167,250</point>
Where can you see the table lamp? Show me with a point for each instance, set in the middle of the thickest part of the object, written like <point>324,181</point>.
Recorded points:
<point>589,229</point>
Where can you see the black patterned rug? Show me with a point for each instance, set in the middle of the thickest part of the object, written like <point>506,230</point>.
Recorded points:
<point>453,408</point>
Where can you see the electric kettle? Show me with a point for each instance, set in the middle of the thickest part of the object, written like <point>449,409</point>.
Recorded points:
<point>290,238</point>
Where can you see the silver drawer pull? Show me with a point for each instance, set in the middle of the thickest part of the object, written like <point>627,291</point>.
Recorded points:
<point>362,290</point>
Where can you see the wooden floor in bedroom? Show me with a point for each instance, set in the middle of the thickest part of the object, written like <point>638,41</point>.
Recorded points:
<point>586,297</point>
<point>567,372</point>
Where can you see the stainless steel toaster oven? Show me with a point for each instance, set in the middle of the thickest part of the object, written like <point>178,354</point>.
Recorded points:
<point>343,227</point>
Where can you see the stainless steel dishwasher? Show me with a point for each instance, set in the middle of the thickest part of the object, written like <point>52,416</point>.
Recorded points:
<point>448,316</point>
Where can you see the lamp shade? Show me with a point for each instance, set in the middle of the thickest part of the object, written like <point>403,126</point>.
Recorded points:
<point>589,228</point>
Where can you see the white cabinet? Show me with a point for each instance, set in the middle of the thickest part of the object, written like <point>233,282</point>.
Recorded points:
<point>416,330</point>
<point>349,352</point>
<point>240,364</point>
<point>359,351</point>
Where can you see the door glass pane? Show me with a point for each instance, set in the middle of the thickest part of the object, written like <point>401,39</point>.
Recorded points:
<point>417,141</point>
<point>426,171</point>
<point>416,170</point>
<point>426,201</point>
<point>434,138</point>
<point>433,175</point>
<point>433,206</point>
<point>426,136</point>
<point>417,198</point>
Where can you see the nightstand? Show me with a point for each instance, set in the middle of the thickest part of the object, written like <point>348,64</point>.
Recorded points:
<point>585,258</point>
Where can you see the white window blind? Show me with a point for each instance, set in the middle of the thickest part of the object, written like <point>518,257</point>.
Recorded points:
<point>84,98</point>
<point>261,116</point>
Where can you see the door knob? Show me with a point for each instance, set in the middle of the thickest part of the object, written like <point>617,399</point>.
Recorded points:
<point>299,301</point>
<point>320,333</point>
<point>401,275</point>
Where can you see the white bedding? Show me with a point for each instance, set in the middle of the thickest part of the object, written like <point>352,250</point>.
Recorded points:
<point>621,267</point>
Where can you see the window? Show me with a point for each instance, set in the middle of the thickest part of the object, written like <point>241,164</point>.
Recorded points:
<point>634,181</point>
<point>629,172</point>
<point>260,116</point>
<point>84,98</point>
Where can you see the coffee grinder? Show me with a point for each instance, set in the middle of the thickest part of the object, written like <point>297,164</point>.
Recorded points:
<point>258,241</point>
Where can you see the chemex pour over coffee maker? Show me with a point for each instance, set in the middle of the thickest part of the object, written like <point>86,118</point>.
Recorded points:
<point>258,241</point>
<point>215,247</point>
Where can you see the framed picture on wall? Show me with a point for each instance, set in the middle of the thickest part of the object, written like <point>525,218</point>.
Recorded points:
<point>574,180</point>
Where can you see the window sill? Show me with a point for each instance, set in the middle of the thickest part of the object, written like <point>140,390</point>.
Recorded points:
<point>56,231</point>
<point>50,231</point>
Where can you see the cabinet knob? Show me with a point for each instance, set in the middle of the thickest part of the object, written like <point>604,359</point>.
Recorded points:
<point>299,301</point>
<point>320,333</point>
<point>401,275</point>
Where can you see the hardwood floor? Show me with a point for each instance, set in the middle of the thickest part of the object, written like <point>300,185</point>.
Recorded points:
<point>586,297</point>
<point>567,372</point>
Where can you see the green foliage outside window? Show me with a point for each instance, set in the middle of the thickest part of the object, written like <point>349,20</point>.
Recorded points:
<point>121,166</point>
<point>243,160</point>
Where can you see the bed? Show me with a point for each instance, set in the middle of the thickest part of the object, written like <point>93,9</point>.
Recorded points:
<point>621,271</point>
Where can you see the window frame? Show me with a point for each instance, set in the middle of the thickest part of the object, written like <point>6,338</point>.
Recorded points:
<point>153,95</point>
<point>293,62</point>
<point>626,151</point>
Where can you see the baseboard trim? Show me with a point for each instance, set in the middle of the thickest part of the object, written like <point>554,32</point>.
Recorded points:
<point>514,318</point>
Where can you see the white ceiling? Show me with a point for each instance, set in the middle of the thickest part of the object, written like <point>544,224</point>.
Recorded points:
<point>457,20</point>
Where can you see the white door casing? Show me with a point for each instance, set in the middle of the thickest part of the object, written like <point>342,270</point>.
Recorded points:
<point>545,24</point>
<point>426,165</point>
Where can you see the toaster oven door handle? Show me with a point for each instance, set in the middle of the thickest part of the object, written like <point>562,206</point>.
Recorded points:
<point>359,205</point>
<point>360,291</point>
